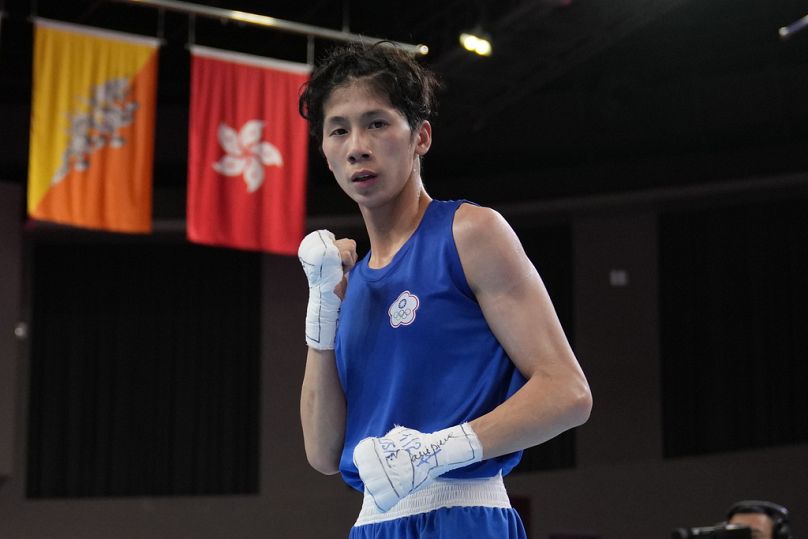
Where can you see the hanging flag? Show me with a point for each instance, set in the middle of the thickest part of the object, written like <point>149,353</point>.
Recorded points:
<point>92,128</point>
<point>247,152</point>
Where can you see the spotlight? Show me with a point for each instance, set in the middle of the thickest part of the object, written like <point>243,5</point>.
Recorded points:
<point>788,31</point>
<point>476,43</point>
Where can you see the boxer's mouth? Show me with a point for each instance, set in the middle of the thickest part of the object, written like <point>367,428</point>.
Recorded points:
<point>363,176</point>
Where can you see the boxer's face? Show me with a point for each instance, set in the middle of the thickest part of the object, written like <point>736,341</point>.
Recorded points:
<point>369,145</point>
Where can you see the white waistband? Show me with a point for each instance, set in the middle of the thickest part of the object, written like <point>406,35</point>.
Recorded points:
<point>485,492</point>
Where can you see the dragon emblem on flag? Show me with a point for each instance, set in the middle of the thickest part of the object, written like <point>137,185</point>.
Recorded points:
<point>108,110</point>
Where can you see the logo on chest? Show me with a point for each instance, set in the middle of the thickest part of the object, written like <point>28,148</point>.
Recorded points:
<point>402,310</point>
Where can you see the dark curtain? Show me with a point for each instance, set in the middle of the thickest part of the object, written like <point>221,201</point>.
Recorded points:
<point>550,249</point>
<point>733,300</point>
<point>144,375</point>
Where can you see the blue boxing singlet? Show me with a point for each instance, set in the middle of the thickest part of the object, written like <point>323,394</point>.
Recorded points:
<point>414,349</point>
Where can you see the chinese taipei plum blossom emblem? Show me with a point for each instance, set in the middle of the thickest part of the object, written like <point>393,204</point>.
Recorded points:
<point>402,310</point>
<point>247,154</point>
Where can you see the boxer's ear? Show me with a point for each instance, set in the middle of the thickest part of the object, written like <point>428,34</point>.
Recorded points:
<point>423,139</point>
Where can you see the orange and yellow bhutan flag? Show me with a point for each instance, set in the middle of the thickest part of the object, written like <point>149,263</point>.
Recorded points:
<point>92,128</point>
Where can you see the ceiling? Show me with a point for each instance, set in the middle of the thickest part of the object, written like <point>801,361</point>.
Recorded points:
<point>579,98</point>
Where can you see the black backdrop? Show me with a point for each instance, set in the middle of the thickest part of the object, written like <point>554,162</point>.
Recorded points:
<point>550,249</point>
<point>144,372</point>
<point>733,314</point>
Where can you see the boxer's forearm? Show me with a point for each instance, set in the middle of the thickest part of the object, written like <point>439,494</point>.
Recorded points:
<point>543,408</point>
<point>322,403</point>
<point>322,411</point>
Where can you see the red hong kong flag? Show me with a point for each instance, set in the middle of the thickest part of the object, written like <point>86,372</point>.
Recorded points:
<point>247,152</point>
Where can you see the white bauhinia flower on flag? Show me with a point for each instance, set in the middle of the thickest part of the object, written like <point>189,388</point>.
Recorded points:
<point>247,154</point>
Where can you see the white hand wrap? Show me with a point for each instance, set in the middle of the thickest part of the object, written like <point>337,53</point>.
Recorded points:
<point>323,266</point>
<point>405,460</point>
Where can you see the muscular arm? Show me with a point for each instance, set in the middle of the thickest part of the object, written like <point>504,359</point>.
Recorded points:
<point>322,402</point>
<point>518,309</point>
<point>322,411</point>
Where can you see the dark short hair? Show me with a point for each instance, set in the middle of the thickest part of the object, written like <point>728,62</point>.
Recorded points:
<point>388,69</point>
<point>779,514</point>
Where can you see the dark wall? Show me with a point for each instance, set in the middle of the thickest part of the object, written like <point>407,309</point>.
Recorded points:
<point>616,306</point>
<point>10,273</point>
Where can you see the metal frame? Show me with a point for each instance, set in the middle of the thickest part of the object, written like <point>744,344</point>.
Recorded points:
<point>270,22</point>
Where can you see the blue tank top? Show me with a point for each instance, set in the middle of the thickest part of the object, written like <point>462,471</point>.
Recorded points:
<point>414,349</point>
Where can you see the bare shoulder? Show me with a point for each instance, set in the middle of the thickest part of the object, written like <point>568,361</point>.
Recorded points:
<point>489,249</point>
<point>476,224</point>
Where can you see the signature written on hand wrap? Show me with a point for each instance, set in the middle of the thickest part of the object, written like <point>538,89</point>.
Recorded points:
<point>418,453</point>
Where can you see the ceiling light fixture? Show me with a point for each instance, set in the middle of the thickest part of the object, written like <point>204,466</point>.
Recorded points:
<point>476,42</point>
